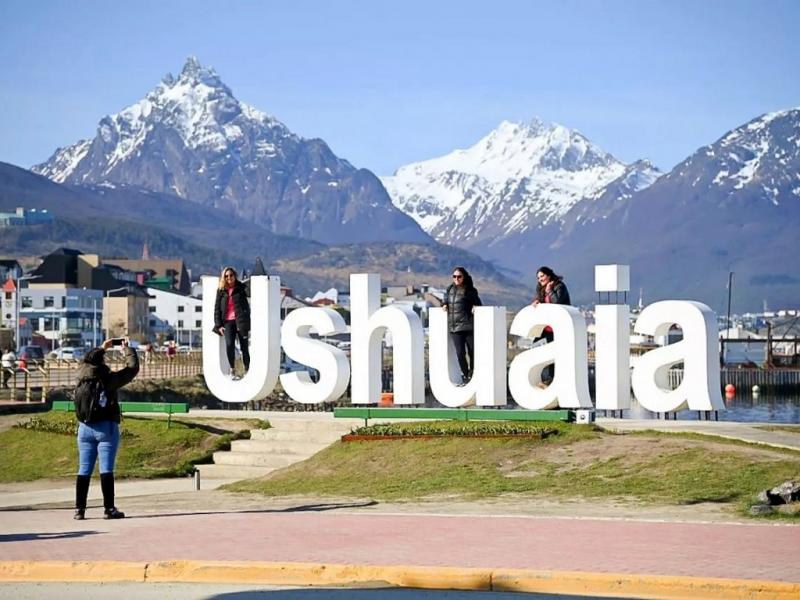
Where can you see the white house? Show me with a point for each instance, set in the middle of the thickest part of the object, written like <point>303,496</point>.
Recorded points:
<point>173,314</point>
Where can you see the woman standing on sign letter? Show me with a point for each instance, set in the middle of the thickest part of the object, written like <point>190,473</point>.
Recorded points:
<point>550,289</point>
<point>460,300</point>
<point>232,317</point>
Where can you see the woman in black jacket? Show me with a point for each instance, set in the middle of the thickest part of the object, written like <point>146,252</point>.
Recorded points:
<point>550,289</point>
<point>460,299</point>
<point>232,317</point>
<point>98,429</point>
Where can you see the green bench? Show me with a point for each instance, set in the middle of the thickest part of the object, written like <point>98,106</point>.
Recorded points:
<point>169,408</point>
<point>456,414</point>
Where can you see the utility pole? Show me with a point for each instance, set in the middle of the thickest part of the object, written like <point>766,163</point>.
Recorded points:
<point>728,331</point>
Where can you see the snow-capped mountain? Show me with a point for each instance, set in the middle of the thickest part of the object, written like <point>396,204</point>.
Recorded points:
<point>192,138</point>
<point>520,177</point>
<point>733,205</point>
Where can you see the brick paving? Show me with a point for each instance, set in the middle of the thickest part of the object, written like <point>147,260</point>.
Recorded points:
<point>725,550</point>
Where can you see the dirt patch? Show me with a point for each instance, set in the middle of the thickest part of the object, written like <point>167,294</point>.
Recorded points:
<point>628,451</point>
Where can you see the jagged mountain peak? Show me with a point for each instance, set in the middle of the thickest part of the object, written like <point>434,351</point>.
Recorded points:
<point>190,137</point>
<point>519,176</point>
<point>762,156</point>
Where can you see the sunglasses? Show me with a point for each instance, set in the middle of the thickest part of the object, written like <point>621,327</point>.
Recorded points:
<point>229,275</point>
<point>458,277</point>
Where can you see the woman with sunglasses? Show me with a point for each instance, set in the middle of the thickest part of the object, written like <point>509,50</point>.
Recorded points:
<point>232,317</point>
<point>460,300</point>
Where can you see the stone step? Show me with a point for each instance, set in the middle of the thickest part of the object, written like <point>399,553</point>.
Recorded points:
<point>251,459</point>
<point>302,448</point>
<point>317,437</point>
<point>315,425</point>
<point>214,471</point>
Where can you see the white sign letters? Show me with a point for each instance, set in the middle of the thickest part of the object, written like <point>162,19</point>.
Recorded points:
<point>699,390</point>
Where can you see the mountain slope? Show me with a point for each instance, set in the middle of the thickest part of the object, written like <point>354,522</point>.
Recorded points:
<point>191,138</point>
<point>733,205</point>
<point>518,178</point>
<point>117,222</point>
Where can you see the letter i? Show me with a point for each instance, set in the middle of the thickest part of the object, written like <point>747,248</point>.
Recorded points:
<point>612,339</point>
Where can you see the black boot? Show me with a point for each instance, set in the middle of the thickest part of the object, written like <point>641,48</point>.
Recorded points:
<point>107,485</point>
<point>81,493</point>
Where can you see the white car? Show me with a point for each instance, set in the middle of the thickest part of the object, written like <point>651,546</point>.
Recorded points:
<point>69,353</point>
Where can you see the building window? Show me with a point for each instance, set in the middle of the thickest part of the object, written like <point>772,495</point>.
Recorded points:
<point>152,322</point>
<point>27,302</point>
<point>151,308</point>
<point>63,301</point>
<point>49,301</point>
<point>198,308</point>
<point>8,295</point>
<point>198,324</point>
<point>180,324</point>
<point>180,309</point>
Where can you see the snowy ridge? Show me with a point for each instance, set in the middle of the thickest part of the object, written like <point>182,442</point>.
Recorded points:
<point>518,177</point>
<point>190,137</point>
<point>196,105</point>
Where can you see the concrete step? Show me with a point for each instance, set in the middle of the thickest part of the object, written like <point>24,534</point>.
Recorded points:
<point>251,459</point>
<point>309,425</point>
<point>231,472</point>
<point>314,436</point>
<point>302,448</point>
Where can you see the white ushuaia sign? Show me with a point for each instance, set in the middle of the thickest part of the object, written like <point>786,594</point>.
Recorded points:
<point>699,389</point>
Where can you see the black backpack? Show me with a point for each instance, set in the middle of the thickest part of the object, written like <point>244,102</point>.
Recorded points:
<point>91,403</point>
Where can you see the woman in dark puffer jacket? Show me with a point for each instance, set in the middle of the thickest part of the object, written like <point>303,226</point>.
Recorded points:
<point>460,300</point>
<point>232,317</point>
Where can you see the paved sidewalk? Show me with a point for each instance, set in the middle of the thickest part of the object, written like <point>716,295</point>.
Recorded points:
<point>302,543</point>
<point>176,534</point>
<point>757,433</point>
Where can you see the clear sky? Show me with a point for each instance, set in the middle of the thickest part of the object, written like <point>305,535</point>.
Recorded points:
<point>388,83</point>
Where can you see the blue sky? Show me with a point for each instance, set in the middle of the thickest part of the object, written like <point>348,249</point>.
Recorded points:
<point>387,83</point>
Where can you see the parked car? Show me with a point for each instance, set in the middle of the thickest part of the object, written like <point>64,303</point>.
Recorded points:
<point>69,353</point>
<point>33,356</point>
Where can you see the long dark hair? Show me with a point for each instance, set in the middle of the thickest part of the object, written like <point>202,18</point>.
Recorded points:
<point>552,275</point>
<point>468,285</point>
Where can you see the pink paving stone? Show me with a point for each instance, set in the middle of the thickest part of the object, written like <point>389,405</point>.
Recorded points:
<point>758,551</point>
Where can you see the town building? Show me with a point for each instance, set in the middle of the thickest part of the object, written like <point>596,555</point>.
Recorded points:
<point>175,316</point>
<point>22,217</point>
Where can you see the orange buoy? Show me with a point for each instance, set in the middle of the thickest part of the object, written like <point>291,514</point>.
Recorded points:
<point>730,389</point>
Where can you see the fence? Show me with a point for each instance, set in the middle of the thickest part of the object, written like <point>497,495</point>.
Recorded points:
<point>745,379</point>
<point>35,382</point>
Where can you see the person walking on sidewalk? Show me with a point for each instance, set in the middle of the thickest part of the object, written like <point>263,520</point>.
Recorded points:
<point>9,363</point>
<point>98,413</point>
<point>460,301</point>
<point>232,317</point>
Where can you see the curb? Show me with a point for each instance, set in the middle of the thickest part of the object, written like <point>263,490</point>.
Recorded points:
<point>456,578</point>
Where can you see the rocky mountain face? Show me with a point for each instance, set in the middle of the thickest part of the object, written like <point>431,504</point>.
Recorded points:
<point>516,180</point>
<point>733,205</point>
<point>191,138</point>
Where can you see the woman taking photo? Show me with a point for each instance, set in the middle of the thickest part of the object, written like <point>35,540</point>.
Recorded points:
<point>232,317</point>
<point>98,412</point>
<point>460,299</point>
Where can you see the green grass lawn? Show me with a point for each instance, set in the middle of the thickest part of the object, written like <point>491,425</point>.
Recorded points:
<point>45,446</point>
<point>574,461</point>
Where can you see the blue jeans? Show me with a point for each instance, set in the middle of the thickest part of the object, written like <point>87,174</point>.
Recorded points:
<point>97,438</point>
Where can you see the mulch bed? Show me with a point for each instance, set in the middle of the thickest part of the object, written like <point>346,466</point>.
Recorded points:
<point>350,437</point>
